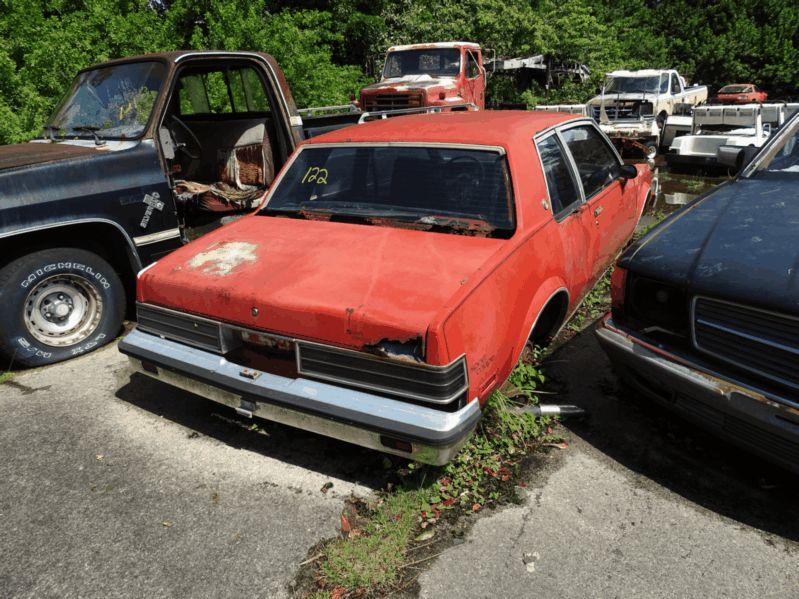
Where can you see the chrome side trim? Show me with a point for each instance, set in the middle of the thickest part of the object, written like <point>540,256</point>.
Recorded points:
<point>748,368</point>
<point>82,221</point>
<point>156,237</point>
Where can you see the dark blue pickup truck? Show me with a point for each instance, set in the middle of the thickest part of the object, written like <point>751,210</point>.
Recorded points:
<point>142,155</point>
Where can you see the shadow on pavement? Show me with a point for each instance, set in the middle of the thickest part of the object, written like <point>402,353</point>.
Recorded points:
<point>668,450</point>
<point>329,457</point>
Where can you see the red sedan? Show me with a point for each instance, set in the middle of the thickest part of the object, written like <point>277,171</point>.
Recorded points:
<point>740,93</point>
<point>394,275</point>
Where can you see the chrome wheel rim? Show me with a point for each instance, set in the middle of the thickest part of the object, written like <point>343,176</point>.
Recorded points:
<point>62,310</point>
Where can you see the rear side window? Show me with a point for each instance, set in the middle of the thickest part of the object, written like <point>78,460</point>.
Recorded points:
<point>563,192</point>
<point>224,91</point>
<point>596,163</point>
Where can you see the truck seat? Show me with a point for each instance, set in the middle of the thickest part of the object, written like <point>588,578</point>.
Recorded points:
<point>235,168</point>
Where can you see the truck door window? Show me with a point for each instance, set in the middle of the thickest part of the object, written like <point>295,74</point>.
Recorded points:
<point>675,84</point>
<point>228,91</point>
<point>472,67</point>
<point>193,99</point>
<point>563,193</point>
<point>596,163</point>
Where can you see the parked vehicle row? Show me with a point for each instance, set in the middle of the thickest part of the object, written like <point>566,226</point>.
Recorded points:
<point>378,283</point>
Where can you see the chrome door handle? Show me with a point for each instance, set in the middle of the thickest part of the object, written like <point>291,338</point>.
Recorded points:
<point>598,210</point>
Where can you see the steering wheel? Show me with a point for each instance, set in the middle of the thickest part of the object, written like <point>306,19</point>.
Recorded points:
<point>466,178</point>
<point>182,145</point>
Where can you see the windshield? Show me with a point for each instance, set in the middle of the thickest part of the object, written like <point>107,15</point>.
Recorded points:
<point>453,189</point>
<point>111,101</point>
<point>781,158</point>
<point>735,89</point>
<point>629,85</point>
<point>436,62</point>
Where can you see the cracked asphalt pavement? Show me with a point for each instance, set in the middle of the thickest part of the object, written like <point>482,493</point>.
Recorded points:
<point>114,487</point>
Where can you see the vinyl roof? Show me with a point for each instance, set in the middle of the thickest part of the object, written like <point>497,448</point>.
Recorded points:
<point>499,128</point>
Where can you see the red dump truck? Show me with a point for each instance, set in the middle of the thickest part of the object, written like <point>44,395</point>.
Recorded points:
<point>439,74</point>
<point>453,75</point>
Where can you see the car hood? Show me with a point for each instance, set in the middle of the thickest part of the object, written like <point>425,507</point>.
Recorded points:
<point>340,283</point>
<point>27,154</point>
<point>736,243</point>
<point>411,82</point>
<point>609,98</point>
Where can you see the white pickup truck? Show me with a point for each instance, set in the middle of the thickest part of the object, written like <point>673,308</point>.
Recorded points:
<point>633,105</point>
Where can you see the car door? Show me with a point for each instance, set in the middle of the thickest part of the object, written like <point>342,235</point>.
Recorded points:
<point>610,203</point>
<point>474,88</point>
<point>575,229</point>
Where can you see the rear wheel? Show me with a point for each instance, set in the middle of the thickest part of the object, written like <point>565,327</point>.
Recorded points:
<point>56,304</point>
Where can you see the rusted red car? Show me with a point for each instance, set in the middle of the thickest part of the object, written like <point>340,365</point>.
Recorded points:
<point>394,275</point>
<point>740,93</point>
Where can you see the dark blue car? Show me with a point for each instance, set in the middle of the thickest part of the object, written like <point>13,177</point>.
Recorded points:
<point>705,308</point>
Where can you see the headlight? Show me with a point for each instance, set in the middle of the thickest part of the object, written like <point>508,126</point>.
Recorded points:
<point>657,304</point>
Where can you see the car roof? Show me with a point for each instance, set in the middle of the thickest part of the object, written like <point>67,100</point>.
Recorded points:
<point>470,45</point>
<point>175,56</point>
<point>500,128</point>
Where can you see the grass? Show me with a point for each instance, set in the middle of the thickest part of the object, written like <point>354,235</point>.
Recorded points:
<point>595,304</point>
<point>6,376</point>
<point>372,557</point>
<point>377,549</point>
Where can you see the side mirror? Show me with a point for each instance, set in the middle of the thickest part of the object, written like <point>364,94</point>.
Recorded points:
<point>627,171</point>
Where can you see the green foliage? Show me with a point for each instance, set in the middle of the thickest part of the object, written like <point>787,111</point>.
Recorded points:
<point>326,46</point>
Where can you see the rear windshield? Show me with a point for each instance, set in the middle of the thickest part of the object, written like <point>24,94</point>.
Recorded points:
<point>735,89</point>
<point>449,189</point>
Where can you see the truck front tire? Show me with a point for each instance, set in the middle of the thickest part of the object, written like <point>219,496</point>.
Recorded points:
<point>56,304</point>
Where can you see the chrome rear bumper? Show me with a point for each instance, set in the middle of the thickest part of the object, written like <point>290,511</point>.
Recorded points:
<point>368,420</point>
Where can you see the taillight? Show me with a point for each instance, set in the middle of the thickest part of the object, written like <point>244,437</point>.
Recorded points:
<point>618,286</point>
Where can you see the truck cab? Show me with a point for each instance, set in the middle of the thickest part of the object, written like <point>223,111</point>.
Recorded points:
<point>633,106</point>
<point>142,155</point>
<point>419,75</point>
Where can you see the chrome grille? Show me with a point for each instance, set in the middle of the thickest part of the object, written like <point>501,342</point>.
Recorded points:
<point>761,342</point>
<point>620,112</point>
<point>422,382</point>
<point>392,101</point>
<point>179,326</point>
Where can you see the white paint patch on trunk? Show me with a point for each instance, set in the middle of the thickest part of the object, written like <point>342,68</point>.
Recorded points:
<point>220,259</point>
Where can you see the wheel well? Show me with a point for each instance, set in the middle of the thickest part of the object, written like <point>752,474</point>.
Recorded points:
<point>102,239</point>
<point>550,319</point>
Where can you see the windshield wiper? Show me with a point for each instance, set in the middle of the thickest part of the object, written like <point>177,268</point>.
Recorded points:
<point>50,131</point>
<point>474,225</point>
<point>93,130</point>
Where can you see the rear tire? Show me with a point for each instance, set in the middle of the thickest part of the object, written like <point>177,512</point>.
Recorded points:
<point>56,304</point>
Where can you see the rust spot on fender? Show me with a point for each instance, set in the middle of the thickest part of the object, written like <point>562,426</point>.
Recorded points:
<point>402,350</point>
<point>221,259</point>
